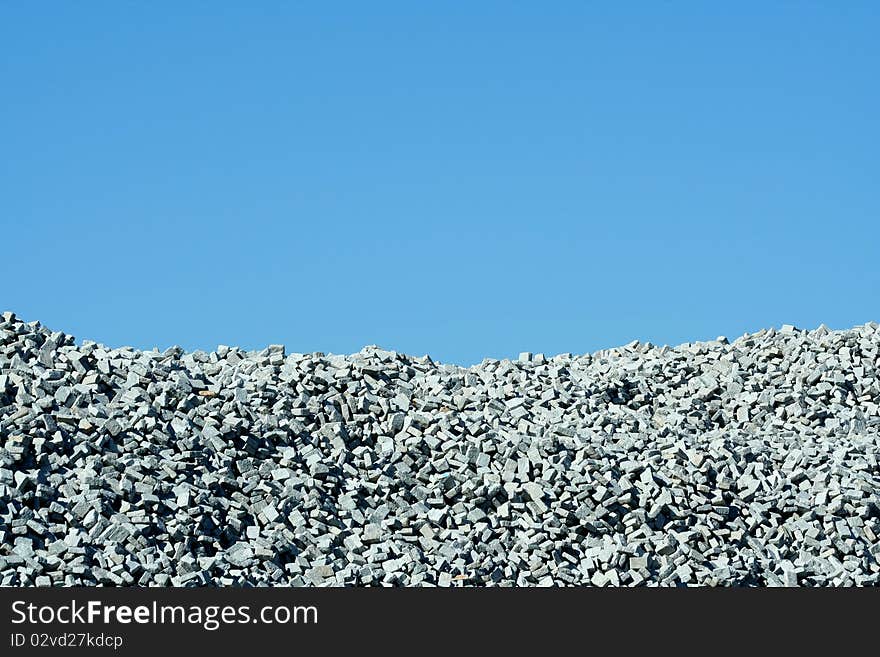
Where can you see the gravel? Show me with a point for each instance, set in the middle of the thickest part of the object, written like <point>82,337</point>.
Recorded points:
<point>752,462</point>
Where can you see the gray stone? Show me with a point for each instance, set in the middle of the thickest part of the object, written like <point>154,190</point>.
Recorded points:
<point>752,461</point>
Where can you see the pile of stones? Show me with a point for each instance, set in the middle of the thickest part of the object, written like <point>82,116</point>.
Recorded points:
<point>753,462</point>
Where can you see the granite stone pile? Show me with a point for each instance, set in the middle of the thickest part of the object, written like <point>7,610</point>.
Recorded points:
<point>753,462</point>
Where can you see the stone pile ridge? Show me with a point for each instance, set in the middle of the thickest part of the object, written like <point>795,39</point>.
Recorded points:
<point>752,462</point>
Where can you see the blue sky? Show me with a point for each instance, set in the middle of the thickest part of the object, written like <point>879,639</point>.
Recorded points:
<point>465,180</point>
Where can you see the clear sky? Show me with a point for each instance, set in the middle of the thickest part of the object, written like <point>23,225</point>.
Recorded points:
<point>467,180</point>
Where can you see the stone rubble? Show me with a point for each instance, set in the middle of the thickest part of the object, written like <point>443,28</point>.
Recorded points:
<point>752,462</point>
